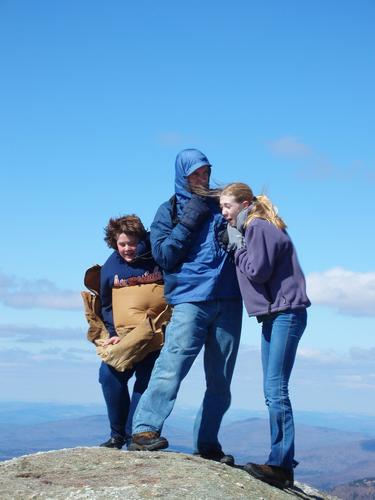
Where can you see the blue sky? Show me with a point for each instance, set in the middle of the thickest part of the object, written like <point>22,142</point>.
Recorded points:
<point>96,101</point>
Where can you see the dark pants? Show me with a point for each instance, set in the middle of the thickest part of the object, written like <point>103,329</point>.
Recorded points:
<point>114,384</point>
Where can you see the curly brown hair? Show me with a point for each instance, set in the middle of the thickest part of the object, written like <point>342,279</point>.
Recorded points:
<point>127,224</point>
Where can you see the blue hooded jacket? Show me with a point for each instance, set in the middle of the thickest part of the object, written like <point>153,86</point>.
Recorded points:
<point>196,268</point>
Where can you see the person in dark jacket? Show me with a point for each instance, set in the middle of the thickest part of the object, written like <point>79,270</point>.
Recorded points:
<point>200,283</point>
<point>131,258</point>
<point>273,289</point>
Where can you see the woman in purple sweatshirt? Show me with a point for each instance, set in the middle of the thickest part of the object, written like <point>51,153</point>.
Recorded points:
<point>274,291</point>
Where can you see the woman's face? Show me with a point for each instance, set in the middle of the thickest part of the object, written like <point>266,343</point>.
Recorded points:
<point>230,208</point>
<point>127,246</point>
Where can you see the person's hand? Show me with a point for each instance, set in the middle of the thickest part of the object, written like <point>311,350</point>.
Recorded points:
<point>241,219</point>
<point>111,341</point>
<point>235,237</point>
<point>195,212</point>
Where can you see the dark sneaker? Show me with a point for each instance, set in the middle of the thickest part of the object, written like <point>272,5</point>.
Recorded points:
<point>271,474</point>
<point>147,441</point>
<point>217,456</point>
<point>114,442</point>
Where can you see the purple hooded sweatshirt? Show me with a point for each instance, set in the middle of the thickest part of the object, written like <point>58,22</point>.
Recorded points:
<point>270,277</point>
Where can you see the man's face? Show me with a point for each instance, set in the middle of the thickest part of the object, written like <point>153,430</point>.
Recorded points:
<point>127,246</point>
<point>199,178</point>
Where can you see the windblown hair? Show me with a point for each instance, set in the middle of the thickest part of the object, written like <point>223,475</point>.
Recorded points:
<point>261,206</point>
<point>127,224</point>
<point>203,191</point>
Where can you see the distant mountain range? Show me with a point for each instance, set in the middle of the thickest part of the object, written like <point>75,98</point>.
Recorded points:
<point>328,456</point>
<point>362,489</point>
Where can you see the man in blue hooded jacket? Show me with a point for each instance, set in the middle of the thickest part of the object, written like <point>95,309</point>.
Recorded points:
<point>201,285</point>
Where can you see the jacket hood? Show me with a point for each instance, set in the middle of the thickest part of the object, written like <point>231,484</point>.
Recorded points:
<point>187,161</point>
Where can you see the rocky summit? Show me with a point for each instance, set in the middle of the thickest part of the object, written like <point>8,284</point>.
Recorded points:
<point>101,473</point>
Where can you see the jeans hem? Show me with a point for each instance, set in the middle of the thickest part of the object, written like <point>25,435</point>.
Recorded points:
<point>144,428</point>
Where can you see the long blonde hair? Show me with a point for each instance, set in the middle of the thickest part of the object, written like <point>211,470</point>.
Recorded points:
<point>261,206</point>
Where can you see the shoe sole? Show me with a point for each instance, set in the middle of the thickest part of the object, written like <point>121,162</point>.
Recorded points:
<point>160,445</point>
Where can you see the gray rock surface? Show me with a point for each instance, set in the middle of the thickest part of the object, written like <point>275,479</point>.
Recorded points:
<point>101,473</point>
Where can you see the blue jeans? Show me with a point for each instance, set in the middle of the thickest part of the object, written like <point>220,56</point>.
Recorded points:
<point>216,325</point>
<point>280,336</point>
<point>114,384</point>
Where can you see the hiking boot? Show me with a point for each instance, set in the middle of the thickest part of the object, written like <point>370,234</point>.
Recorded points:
<point>147,441</point>
<point>217,456</point>
<point>271,474</point>
<point>114,442</point>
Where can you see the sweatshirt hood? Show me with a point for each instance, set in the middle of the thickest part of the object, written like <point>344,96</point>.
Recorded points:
<point>187,161</point>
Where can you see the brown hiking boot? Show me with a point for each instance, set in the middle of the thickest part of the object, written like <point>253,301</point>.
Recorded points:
<point>147,441</point>
<point>271,474</point>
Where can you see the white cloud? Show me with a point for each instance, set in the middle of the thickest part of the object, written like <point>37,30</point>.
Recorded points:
<point>26,294</point>
<point>355,358</point>
<point>289,146</point>
<point>170,139</point>
<point>320,357</point>
<point>347,291</point>
<point>314,164</point>
<point>320,167</point>
<point>356,381</point>
<point>176,139</point>
<point>64,367</point>
<point>358,353</point>
<point>35,333</point>
<point>64,357</point>
<point>33,376</point>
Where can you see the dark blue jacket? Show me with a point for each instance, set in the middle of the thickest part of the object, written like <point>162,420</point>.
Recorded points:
<point>270,277</point>
<point>115,264</point>
<point>196,268</point>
